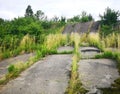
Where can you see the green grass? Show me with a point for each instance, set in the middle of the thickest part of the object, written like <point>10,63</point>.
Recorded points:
<point>75,85</point>
<point>65,52</point>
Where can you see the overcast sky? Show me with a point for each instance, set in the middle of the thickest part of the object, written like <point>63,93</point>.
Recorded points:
<point>68,8</point>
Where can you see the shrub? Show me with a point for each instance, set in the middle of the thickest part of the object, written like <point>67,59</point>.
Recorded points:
<point>11,68</point>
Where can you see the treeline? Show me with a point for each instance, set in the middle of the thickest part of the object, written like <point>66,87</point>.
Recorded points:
<point>83,17</point>
<point>110,22</point>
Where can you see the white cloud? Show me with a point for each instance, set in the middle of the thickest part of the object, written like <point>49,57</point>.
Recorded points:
<point>68,8</point>
<point>7,14</point>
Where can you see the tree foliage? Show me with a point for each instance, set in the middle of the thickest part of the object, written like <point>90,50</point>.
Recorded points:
<point>110,17</point>
<point>40,15</point>
<point>83,17</point>
<point>109,21</point>
<point>29,12</point>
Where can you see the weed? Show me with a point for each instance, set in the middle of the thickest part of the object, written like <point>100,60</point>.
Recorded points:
<point>11,68</point>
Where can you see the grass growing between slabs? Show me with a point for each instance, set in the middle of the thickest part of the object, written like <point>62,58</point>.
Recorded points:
<point>75,85</point>
<point>50,45</point>
<point>94,39</point>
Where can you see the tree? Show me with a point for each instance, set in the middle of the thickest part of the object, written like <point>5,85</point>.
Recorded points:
<point>84,17</point>
<point>40,15</point>
<point>1,21</point>
<point>62,20</point>
<point>110,17</point>
<point>29,12</point>
<point>75,19</point>
<point>90,18</point>
<point>55,19</point>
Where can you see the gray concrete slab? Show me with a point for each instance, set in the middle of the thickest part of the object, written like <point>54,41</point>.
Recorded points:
<point>88,52</point>
<point>99,73</point>
<point>48,76</point>
<point>5,63</point>
<point>65,48</point>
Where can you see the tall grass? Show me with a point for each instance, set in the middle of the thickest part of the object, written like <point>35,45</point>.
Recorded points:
<point>93,39</point>
<point>112,40</point>
<point>75,86</point>
<point>55,40</point>
<point>27,44</point>
<point>118,41</point>
<point>17,46</point>
<point>83,38</point>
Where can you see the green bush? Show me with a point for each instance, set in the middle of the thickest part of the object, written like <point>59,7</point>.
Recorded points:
<point>11,68</point>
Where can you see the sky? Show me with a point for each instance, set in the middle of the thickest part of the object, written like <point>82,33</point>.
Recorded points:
<point>10,9</point>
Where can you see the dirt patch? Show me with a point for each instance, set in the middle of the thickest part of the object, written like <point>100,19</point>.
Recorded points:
<point>48,76</point>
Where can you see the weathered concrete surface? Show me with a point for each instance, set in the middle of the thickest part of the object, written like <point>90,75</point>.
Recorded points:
<point>89,52</point>
<point>99,73</point>
<point>48,76</point>
<point>65,48</point>
<point>81,27</point>
<point>5,63</point>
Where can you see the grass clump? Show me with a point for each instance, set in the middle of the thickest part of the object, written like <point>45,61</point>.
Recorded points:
<point>55,40</point>
<point>111,40</point>
<point>94,40</point>
<point>11,68</point>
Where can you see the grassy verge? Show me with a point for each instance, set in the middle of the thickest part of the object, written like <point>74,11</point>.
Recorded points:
<point>75,85</point>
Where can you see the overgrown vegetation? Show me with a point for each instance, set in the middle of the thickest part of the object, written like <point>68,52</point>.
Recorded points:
<point>34,33</point>
<point>75,85</point>
<point>48,47</point>
<point>25,34</point>
<point>109,21</point>
<point>83,17</point>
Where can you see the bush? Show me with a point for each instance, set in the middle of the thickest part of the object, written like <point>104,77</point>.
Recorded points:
<point>11,68</point>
